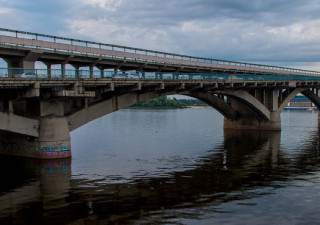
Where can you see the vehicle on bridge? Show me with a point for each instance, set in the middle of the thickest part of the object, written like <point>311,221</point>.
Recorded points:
<point>27,75</point>
<point>127,75</point>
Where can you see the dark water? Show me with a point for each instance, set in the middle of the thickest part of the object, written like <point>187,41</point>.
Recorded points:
<point>170,167</point>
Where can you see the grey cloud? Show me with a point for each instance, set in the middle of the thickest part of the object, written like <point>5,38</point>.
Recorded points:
<point>246,30</point>
<point>176,11</point>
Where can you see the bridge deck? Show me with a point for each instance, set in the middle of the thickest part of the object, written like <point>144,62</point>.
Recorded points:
<point>14,83</point>
<point>52,49</point>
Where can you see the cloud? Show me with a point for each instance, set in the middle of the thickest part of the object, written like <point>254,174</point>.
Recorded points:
<point>109,5</point>
<point>229,37</point>
<point>5,10</point>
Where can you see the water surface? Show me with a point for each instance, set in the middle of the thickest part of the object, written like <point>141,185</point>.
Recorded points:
<point>170,167</point>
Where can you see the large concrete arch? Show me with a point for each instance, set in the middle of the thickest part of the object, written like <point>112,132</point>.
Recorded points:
<point>215,102</point>
<point>288,97</point>
<point>89,113</point>
<point>115,103</point>
<point>243,97</point>
<point>315,99</point>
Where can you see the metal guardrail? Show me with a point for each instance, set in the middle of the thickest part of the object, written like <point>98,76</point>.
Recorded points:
<point>53,73</point>
<point>153,55</point>
<point>21,73</point>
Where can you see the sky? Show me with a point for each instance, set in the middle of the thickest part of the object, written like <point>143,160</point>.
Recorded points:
<point>273,32</point>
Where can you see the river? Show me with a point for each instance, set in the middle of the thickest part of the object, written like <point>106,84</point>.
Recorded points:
<point>170,167</point>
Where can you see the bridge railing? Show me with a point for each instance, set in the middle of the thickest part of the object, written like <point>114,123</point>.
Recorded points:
<point>137,54</point>
<point>25,73</point>
<point>53,73</point>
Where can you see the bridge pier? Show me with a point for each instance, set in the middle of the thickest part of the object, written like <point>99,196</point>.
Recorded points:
<point>49,67</point>
<point>34,128</point>
<point>16,64</point>
<point>53,141</point>
<point>253,109</point>
<point>247,123</point>
<point>54,137</point>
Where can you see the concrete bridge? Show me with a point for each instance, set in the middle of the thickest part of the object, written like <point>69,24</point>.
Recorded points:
<point>38,113</point>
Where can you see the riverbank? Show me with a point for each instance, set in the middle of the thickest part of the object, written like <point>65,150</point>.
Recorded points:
<point>198,106</point>
<point>167,103</point>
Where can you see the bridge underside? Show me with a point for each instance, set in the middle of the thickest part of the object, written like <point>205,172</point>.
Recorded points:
<point>36,118</point>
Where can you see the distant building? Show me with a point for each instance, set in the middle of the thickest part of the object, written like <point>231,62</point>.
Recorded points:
<point>300,102</point>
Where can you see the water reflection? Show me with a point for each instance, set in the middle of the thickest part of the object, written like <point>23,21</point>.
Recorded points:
<point>244,164</point>
<point>30,188</point>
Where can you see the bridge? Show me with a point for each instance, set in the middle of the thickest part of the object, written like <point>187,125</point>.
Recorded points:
<point>82,81</point>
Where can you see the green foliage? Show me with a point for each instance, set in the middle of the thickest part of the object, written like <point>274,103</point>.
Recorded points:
<point>164,103</point>
<point>192,102</point>
<point>160,103</point>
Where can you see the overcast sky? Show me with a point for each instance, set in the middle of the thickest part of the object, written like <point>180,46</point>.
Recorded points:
<point>276,32</point>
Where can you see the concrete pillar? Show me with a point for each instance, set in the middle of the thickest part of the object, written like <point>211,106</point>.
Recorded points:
<point>18,66</point>
<point>101,72</point>
<point>271,99</point>
<point>260,95</point>
<point>10,107</point>
<point>249,118</point>
<point>63,70</point>
<point>53,141</point>
<point>280,96</point>
<point>254,123</point>
<point>91,71</point>
<point>49,70</point>
<point>77,71</point>
<point>27,62</point>
<point>116,72</point>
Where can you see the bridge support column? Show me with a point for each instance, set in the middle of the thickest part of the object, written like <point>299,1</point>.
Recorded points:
<point>49,66</point>
<point>53,141</point>
<point>115,72</point>
<point>77,74</point>
<point>257,111</point>
<point>19,66</point>
<point>91,71</point>
<point>101,71</point>
<point>63,70</point>
<point>252,123</point>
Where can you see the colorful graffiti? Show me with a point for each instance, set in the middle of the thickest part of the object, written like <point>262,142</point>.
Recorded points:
<point>56,154</point>
<point>55,148</point>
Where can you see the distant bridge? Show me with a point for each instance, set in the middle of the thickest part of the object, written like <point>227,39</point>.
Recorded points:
<point>38,112</point>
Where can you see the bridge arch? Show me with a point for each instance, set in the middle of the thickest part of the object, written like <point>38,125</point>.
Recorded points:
<point>232,104</point>
<point>215,102</point>
<point>92,112</point>
<point>313,97</point>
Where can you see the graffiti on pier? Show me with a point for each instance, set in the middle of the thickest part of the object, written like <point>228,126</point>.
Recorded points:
<point>56,149</point>
<point>57,154</point>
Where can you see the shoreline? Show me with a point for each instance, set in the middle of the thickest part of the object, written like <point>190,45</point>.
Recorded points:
<point>186,107</point>
<point>198,106</point>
